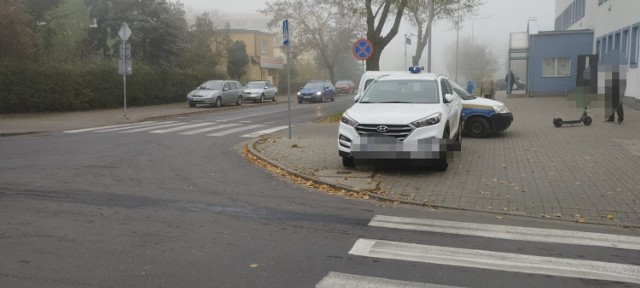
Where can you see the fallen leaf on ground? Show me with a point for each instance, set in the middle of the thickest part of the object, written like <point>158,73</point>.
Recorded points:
<point>610,217</point>
<point>499,217</point>
<point>580,220</point>
<point>253,265</point>
<point>558,215</point>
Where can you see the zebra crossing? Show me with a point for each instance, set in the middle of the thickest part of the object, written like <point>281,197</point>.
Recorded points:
<point>211,129</point>
<point>483,259</point>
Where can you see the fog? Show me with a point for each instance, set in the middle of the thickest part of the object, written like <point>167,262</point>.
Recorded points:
<point>494,20</point>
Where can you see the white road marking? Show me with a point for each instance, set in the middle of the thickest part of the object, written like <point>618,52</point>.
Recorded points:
<point>209,129</point>
<point>186,127</point>
<point>497,260</point>
<point>266,131</point>
<point>508,232</point>
<point>245,121</point>
<point>106,127</point>
<point>152,127</point>
<point>335,279</point>
<point>134,126</point>
<point>227,132</point>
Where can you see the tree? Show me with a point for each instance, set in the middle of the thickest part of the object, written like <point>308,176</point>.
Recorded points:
<point>16,31</point>
<point>158,26</point>
<point>322,27</point>
<point>237,60</point>
<point>423,18</point>
<point>206,46</point>
<point>377,13</point>
<point>475,60</point>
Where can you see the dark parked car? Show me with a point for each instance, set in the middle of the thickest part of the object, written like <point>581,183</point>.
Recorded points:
<point>317,91</point>
<point>345,87</point>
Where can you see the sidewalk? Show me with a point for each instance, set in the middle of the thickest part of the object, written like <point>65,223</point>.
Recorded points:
<point>574,173</point>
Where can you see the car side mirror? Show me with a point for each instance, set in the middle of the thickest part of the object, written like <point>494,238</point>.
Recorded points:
<point>355,98</point>
<point>448,98</point>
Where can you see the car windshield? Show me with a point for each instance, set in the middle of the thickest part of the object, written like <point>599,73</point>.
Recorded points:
<point>314,85</point>
<point>402,91</point>
<point>211,85</point>
<point>255,85</point>
<point>461,92</point>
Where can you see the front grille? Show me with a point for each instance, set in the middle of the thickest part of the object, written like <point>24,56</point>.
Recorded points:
<point>399,132</point>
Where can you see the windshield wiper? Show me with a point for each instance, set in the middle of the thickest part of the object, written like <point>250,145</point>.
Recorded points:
<point>395,102</point>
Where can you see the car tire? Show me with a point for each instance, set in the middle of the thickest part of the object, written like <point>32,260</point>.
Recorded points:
<point>218,103</point>
<point>333,98</point>
<point>348,161</point>
<point>262,98</point>
<point>478,127</point>
<point>192,105</point>
<point>239,101</point>
<point>275,97</point>
<point>299,102</point>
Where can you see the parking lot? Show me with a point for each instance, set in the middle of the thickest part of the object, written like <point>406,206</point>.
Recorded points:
<point>575,173</point>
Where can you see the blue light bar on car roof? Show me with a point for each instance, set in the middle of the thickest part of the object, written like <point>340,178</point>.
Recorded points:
<point>415,69</point>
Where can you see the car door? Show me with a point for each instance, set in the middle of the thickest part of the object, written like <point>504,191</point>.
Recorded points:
<point>329,89</point>
<point>226,92</point>
<point>454,107</point>
<point>269,92</point>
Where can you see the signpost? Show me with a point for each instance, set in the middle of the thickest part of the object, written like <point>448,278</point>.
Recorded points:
<point>362,50</point>
<point>124,63</point>
<point>285,42</point>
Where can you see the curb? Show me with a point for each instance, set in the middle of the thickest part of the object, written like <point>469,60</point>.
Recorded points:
<point>252,150</point>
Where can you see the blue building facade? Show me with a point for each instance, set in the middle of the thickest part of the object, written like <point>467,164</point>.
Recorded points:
<point>552,61</point>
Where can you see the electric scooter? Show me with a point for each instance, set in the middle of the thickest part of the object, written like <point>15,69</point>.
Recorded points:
<point>584,119</point>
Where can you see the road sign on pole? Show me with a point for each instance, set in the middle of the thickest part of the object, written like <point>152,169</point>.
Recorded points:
<point>362,49</point>
<point>285,32</point>
<point>124,32</point>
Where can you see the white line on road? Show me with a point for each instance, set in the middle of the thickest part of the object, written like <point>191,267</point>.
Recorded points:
<point>335,279</point>
<point>508,232</point>
<point>266,131</point>
<point>209,129</point>
<point>152,127</point>
<point>186,127</point>
<point>497,260</point>
<point>134,126</point>
<point>227,132</point>
<point>107,127</point>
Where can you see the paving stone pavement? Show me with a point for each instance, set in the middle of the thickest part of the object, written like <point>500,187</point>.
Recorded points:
<point>573,173</point>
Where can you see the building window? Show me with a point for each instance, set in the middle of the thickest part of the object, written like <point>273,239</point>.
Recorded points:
<point>625,43</point>
<point>610,42</point>
<point>616,43</point>
<point>598,43</point>
<point>635,45</point>
<point>556,67</point>
<point>263,47</point>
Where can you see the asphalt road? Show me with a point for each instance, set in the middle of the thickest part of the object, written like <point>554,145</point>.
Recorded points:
<point>156,206</point>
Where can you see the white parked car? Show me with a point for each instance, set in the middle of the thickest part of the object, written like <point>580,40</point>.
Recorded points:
<point>402,116</point>
<point>258,91</point>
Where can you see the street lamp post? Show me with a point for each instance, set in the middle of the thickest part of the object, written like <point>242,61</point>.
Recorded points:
<point>473,23</point>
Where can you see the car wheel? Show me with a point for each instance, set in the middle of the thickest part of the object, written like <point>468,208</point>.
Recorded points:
<point>262,98</point>
<point>218,103</point>
<point>442,164</point>
<point>192,105</point>
<point>333,98</point>
<point>459,137</point>
<point>347,161</point>
<point>299,102</point>
<point>478,127</point>
<point>239,101</point>
<point>275,97</point>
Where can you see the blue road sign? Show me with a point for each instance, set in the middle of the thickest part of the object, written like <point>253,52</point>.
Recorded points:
<point>285,32</point>
<point>362,49</point>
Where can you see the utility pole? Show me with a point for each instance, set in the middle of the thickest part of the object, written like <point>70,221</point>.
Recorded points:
<point>431,8</point>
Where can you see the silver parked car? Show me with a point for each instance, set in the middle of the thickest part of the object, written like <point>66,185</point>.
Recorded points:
<point>258,91</point>
<point>216,93</point>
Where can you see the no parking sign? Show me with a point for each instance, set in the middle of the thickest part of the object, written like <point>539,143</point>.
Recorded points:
<point>362,49</point>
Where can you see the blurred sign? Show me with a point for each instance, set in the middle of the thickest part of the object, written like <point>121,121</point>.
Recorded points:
<point>124,32</point>
<point>285,32</point>
<point>124,61</point>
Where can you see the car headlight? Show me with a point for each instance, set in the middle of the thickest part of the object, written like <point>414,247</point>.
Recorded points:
<point>501,109</point>
<point>428,121</point>
<point>318,93</point>
<point>189,95</point>
<point>348,120</point>
<point>298,93</point>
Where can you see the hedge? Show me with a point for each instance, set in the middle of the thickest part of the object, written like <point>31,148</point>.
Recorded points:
<point>72,87</point>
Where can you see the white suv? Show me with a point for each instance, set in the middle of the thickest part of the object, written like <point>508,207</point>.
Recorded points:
<point>403,115</point>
